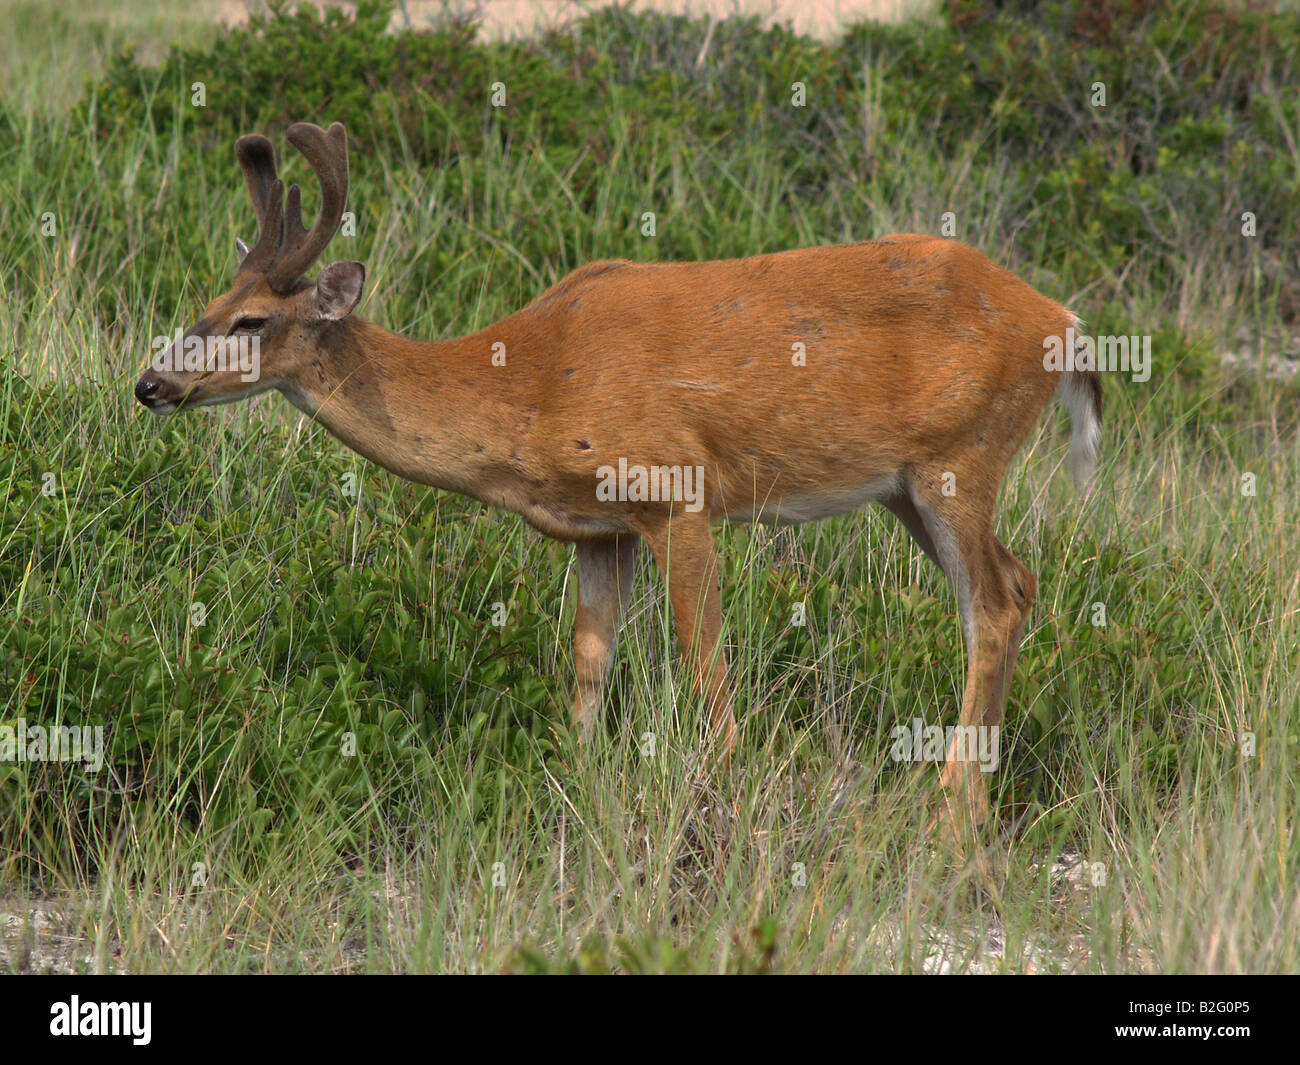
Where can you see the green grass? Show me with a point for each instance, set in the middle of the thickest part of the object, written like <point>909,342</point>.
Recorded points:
<point>229,832</point>
<point>51,48</point>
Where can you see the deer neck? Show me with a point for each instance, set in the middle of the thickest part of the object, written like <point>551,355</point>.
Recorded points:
<point>439,413</point>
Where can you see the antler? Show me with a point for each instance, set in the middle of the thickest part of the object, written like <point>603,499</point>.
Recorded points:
<point>328,155</point>
<point>285,248</point>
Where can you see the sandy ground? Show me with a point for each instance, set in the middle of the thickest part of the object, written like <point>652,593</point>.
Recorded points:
<point>522,18</point>
<point>43,936</point>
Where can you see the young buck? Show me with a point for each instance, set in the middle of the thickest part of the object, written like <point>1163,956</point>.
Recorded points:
<point>781,388</point>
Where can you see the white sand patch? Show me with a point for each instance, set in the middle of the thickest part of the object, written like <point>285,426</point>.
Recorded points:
<point>507,19</point>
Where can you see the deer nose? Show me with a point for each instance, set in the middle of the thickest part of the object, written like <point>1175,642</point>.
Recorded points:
<point>146,388</point>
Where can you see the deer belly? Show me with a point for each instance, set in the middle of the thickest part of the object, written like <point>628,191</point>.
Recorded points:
<point>813,506</point>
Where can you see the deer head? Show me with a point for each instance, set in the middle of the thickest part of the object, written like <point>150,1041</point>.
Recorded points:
<point>266,329</point>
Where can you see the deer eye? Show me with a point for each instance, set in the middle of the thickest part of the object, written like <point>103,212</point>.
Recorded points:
<point>249,325</point>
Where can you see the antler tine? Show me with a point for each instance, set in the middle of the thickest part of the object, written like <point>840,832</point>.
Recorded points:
<point>327,152</point>
<point>294,230</point>
<point>257,158</point>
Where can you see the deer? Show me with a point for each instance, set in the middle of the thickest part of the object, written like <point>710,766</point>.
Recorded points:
<point>905,371</point>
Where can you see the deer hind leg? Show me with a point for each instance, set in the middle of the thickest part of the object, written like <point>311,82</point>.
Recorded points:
<point>683,547</point>
<point>604,587</point>
<point>1022,587</point>
<point>994,594</point>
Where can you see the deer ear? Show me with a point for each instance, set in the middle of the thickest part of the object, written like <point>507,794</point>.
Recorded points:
<point>242,249</point>
<point>339,289</point>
